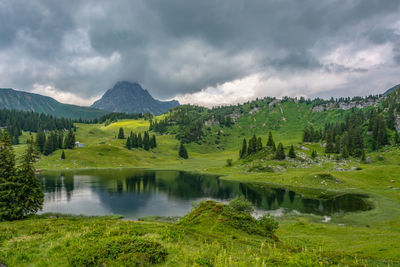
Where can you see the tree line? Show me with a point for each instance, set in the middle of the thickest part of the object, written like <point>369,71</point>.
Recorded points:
<point>54,140</point>
<point>15,122</point>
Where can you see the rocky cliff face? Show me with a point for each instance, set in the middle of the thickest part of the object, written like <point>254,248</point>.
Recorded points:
<point>132,98</point>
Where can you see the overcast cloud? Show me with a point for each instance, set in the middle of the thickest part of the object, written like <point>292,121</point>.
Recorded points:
<point>203,52</point>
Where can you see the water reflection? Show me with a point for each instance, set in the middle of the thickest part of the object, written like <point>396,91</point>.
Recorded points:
<point>135,193</point>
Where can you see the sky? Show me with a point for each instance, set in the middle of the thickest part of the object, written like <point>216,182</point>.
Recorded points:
<point>200,52</point>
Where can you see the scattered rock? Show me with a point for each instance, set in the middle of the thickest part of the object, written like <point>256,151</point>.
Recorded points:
<point>390,187</point>
<point>368,160</point>
<point>392,181</point>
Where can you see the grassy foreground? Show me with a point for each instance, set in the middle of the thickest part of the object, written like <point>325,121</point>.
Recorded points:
<point>357,239</point>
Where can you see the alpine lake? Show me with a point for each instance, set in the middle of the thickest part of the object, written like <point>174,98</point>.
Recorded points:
<point>136,193</point>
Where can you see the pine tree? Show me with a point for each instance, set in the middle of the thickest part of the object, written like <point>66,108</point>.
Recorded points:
<point>128,144</point>
<point>60,139</point>
<point>280,153</point>
<point>134,141</point>
<point>121,133</point>
<point>69,142</point>
<point>8,183</point>
<point>63,155</point>
<point>48,147</point>
<point>40,140</point>
<point>153,142</point>
<point>329,142</point>
<point>292,153</point>
<point>396,138</point>
<point>139,140</point>
<point>7,157</point>
<point>252,145</point>
<point>146,141</point>
<point>183,152</point>
<point>30,193</point>
<point>270,142</point>
<point>243,151</point>
<point>259,145</point>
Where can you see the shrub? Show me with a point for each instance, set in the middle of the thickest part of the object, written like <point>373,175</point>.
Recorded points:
<point>240,203</point>
<point>268,224</point>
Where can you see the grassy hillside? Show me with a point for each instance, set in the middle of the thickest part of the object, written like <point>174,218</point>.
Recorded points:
<point>367,238</point>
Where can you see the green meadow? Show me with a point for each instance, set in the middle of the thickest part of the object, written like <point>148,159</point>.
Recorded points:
<point>368,238</point>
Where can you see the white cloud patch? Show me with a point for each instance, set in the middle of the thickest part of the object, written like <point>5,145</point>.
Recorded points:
<point>63,97</point>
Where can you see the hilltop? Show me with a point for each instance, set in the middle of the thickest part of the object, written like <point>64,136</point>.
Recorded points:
<point>132,98</point>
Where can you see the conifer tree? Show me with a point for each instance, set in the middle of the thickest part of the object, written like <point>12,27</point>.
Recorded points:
<point>128,144</point>
<point>40,140</point>
<point>252,145</point>
<point>48,147</point>
<point>183,152</point>
<point>280,153</point>
<point>69,142</point>
<point>30,193</point>
<point>259,145</point>
<point>121,133</point>
<point>134,141</point>
<point>60,139</point>
<point>8,183</point>
<point>146,141</point>
<point>270,142</point>
<point>292,153</point>
<point>7,157</point>
<point>63,155</point>
<point>139,140</point>
<point>396,138</point>
<point>153,142</point>
<point>243,151</point>
<point>329,142</point>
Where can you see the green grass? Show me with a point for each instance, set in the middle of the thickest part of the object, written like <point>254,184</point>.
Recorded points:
<point>360,238</point>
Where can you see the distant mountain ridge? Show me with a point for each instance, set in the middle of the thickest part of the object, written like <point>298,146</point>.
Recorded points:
<point>391,90</point>
<point>19,100</point>
<point>130,97</point>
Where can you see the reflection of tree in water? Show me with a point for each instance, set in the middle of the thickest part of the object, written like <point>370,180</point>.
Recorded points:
<point>135,188</point>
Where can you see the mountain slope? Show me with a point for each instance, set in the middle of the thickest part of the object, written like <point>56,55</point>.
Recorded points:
<point>12,99</point>
<point>132,98</point>
<point>391,90</point>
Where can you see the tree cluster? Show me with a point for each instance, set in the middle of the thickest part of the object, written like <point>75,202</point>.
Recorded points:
<point>54,140</point>
<point>136,141</point>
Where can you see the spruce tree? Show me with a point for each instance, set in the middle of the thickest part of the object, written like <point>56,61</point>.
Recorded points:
<point>48,147</point>
<point>270,142</point>
<point>363,156</point>
<point>259,145</point>
<point>292,153</point>
<point>280,153</point>
<point>63,155</point>
<point>121,133</point>
<point>8,182</point>
<point>134,141</point>
<point>252,145</point>
<point>153,142</point>
<point>128,144</point>
<point>396,138</point>
<point>30,193</point>
<point>183,152</point>
<point>139,140</point>
<point>243,151</point>
<point>40,140</point>
<point>329,142</point>
<point>146,141</point>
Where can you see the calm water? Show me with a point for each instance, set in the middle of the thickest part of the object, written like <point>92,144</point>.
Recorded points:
<point>135,193</point>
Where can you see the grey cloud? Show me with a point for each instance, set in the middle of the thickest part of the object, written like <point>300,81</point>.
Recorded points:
<point>179,46</point>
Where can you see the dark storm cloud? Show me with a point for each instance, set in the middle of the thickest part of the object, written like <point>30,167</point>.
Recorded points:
<point>179,46</point>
